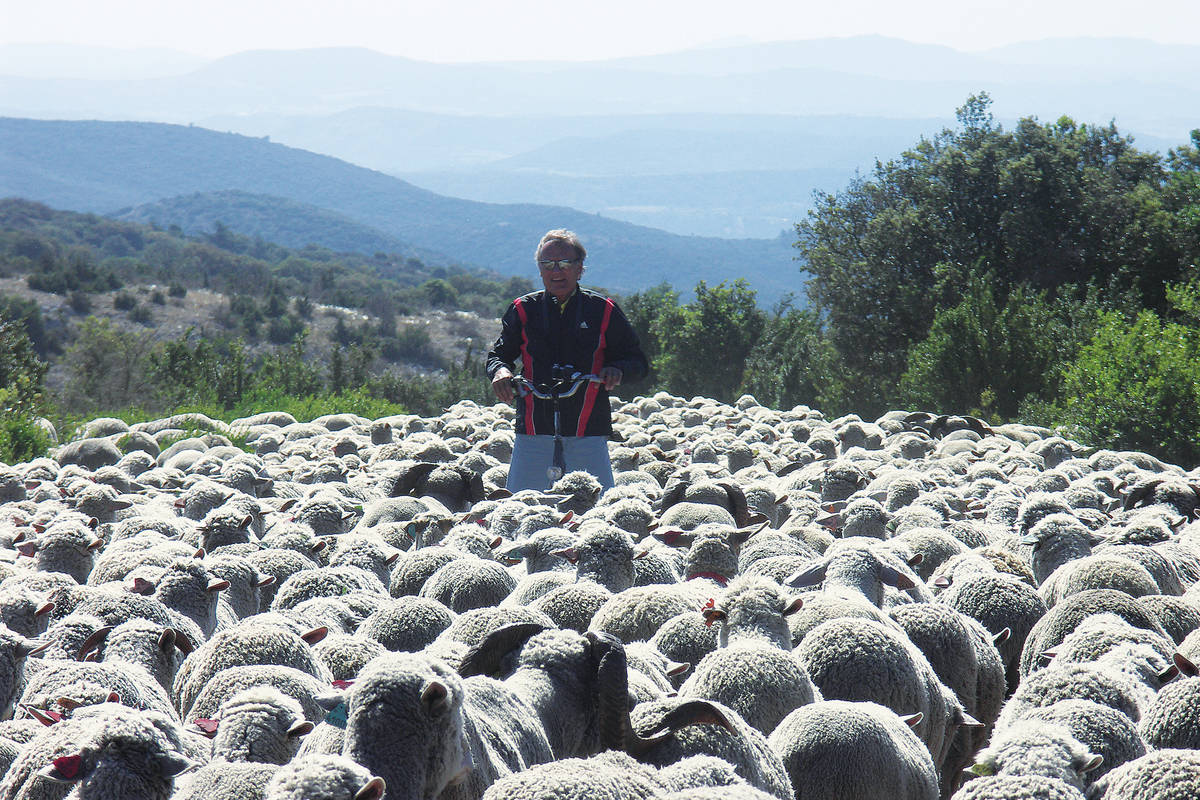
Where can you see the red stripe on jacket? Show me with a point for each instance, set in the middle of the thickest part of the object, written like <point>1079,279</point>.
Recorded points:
<point>593,389</point>
<point>526,364</point>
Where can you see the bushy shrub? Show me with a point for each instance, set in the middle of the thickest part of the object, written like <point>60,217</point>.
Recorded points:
<point>124,301</point>
<point>1136,386</point>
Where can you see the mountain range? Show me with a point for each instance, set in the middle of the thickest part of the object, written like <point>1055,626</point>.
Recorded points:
<point>191,176</point>
<point>749,131</point>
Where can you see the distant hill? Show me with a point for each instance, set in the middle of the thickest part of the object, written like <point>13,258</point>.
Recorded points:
<point>106,166</point>
<point>273,219</point>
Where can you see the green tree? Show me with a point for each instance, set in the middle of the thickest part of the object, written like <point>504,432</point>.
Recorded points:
<point>792,362</point>
<point>1047,205</point>
<point>1136,386</point>
<point>703,347</point>
<point>107,367</point>
<point>642,309</point>
<point>988,354</point>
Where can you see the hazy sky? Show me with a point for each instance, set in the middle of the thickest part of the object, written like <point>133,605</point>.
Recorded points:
<point>475,30</point>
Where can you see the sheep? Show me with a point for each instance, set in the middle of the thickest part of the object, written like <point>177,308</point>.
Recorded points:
<point>187,587</point>
<point>414,568</point>
<point>466,583</point>
<point>14,650</point>
<point>260,725</point>
<point>763,684</point>
<point>999,602</point>
<point>244,645</point>
<point>605,556</point>
<point>1099,571</point>
<point>637,613</point>
<point>834,748</point>
<point>573,606</point>
<point>614,775</point>
<point>1161,774</point>
<point>324,777</point>
<point>965,659</point>
<point>408,623</point>
<point>1051,629</point>
<point>1033,747</point>
<point>67,546</point>
<point>23,611</point>
<point>324,582</point>
<point>1170,720</point>
<point>863,660</point>
<point>300,686</point>
<point>1018,787</point>
<point>143,643</point>
<point>106,751</point>
<point>731,740</point>
<point>245,582</point>
<point>435,724</point>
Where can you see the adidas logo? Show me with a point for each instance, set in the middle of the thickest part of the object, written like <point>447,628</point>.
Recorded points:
<point>583,324</point>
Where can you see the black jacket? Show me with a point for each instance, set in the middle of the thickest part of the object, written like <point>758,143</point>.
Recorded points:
<point>589,334</point>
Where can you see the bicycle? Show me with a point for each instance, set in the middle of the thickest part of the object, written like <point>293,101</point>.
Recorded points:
<point>554,391</point>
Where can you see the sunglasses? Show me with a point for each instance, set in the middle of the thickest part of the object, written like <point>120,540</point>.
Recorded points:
<point>558,266</point>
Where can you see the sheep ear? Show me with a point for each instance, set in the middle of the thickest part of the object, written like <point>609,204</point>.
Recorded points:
<point>218,585</point>
<point>262,581</point>
<point>794,606</point>
<point>95,545</point>
<point>93,641</point>
<point>894,577</point>
<point>166,640</point>
<point>677,668</point>
<point>27,548</point>
<point>318,546</point>
<point>674,538</point>
<point>435,698</point>
<point>917,560</point>
<point>330,701</point>
<point>183,642</point>
<point>44,609</point>
<point>1088,763</point>
<point>247,521</point>
<point>1002,637</point>
<point>484,657</point>
<point>200,553</point>
<point>942,582</point>
<point>302,728</point>
<point>913,720</point>
<point>173,764</point>
<point>810,576</point>
<point>1185,665</point>
<point>496,494</point>
<point>315,635</point>
<point>1168,674</point>
<point>373,790</point>
<point>31,647</point>
<point>64,769</point>
<point>570,554</point>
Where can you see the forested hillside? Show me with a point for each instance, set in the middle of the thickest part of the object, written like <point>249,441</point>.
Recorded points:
<point>1043,272</point>
<point>102,167</point>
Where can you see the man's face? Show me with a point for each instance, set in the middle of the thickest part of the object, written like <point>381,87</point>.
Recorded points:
<point>559,282</point>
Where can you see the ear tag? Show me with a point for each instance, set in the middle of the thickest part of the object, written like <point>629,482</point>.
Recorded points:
<point>208,726</point>
<point>340,684</point>
<point>68,766</point>
<point>708,618</point>
<point>338,716</point>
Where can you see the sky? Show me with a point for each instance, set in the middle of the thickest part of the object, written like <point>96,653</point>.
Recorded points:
<point>487,30</point>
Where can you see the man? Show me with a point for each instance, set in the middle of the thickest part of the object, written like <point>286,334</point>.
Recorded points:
<point>559,331</point>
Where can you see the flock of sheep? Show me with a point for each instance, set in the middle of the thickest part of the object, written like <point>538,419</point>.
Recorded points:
<point>769,604</point>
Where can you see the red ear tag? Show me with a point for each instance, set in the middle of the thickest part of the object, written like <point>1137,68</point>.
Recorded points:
<point>68,766</point>
<point>339,684</point>
<point>708,618</point>
<point>209,726</point>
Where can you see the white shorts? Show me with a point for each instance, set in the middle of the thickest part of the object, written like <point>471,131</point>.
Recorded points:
<point>532,455</point>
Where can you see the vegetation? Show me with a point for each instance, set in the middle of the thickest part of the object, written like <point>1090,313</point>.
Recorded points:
<point>1045,274</point>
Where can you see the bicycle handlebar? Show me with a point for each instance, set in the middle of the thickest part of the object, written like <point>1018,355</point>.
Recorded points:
<point>549,392</point>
